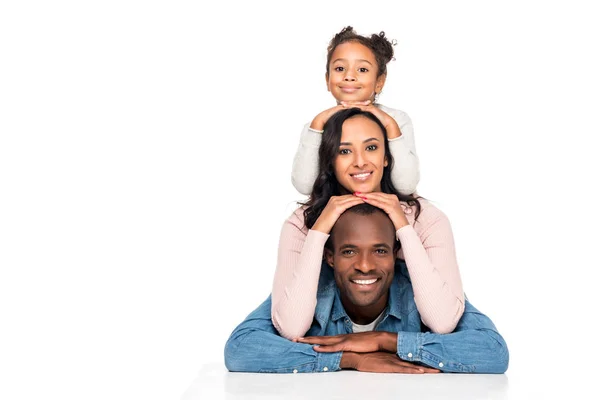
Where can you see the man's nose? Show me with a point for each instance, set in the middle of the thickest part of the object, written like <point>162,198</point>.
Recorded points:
<point>364,264</point>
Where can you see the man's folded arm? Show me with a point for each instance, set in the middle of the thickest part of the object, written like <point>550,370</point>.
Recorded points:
<point>475,346</point>
<point>255,346</point>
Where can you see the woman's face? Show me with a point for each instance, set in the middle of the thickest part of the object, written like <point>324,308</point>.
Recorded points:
<point>361,157</point>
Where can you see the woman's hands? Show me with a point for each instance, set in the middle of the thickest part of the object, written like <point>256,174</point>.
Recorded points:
<point>332,211</point>
<point>338,204</point>
<point>390,204</point>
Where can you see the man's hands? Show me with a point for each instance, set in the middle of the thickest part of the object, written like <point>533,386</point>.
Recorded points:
<point>381,362</point>
<point>367,352</point>
<point>364,342</point>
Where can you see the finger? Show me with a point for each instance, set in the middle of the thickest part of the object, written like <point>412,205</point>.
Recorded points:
<point>320,340</point>
<point>327,349</point>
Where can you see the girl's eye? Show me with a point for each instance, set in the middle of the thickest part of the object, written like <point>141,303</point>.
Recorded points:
<point>363,70</point>
<point>345,151</point>
<point>372,147</point>
<point>339,69</point>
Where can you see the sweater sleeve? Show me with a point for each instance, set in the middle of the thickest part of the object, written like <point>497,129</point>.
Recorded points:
<point>294,295</point>
<point>405,171</point>
<point>428,248</point>
<point>306,161</point>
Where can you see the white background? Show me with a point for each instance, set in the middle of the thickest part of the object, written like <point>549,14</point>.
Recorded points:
<point>145,161</point>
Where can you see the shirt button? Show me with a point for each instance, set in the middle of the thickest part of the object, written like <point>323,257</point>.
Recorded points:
<point>295,371</point>
<point>325,369</point>
<point>441,365</point>
<point>409,355</point>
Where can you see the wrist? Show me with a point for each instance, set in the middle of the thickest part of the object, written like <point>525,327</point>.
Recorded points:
<point>388,342</point>
<point>317,124</point>
<point>393,130</point>
<point>349,360</point>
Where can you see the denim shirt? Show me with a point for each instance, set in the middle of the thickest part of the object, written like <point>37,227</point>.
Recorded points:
<point>475,346</point>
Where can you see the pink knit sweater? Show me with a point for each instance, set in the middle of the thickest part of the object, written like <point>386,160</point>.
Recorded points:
<point>427,247</point>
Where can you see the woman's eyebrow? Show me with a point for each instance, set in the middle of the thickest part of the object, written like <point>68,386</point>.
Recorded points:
<point>364,141</point>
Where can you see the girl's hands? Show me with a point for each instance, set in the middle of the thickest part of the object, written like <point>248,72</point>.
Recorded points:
<point>332,211</point>
<point>391,126</point>
<point>318,123</point>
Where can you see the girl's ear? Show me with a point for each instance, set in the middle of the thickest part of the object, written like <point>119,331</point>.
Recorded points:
<point>379,84</point>
<point>327,81</point>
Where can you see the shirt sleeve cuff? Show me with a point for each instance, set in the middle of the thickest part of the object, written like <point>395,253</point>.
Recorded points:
<point>310,137</point>
<point>410,345</point>
<point>328,362</point>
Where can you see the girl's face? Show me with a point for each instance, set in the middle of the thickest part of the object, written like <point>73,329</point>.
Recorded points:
<point>361,157</point>
<point>353,73</point>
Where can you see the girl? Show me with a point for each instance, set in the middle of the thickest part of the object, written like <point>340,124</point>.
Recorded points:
<point>355,75</point>
<point>355,166</point>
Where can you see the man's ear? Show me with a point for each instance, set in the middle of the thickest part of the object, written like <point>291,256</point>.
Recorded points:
<point>397,246</point>
<point>380,83</point>
<point>329,257</point>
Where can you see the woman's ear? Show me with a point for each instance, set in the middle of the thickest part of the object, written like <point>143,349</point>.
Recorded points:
<point>385,162</point>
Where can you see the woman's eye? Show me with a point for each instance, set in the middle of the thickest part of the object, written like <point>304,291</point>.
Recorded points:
<point>345,151</point>
<point>372,147</point>
<point>363,70</point>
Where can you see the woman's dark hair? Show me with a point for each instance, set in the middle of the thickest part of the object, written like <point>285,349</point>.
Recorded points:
<point>326,184</point>
<point>380,45</point>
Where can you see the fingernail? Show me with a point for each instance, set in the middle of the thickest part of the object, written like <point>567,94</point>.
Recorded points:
<point>363,197</point>
<point>357,193</point>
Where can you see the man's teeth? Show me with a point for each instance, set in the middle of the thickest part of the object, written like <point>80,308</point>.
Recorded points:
<point>365,282</point>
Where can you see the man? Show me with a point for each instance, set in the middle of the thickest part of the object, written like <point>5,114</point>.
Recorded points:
<point>366,318</point>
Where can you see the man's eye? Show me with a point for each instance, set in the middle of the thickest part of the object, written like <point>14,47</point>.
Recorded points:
<point>345,151</point>
<point>381,251</point>
<point>347,252</point>
<point>372,147</point>
<point>363,70</point>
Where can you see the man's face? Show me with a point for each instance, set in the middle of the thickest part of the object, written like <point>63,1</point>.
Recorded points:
<point>363,260</point>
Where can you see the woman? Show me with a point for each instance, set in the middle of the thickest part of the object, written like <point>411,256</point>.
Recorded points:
<point>354,167</point>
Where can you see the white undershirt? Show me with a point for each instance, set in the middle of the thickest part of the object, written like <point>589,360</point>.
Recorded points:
<point>357,328</point>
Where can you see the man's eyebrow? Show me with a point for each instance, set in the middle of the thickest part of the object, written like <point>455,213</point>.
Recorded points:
<point>360,59</point>
<point>387,246</point>
<point>352,246</point>
<point>364,141</point>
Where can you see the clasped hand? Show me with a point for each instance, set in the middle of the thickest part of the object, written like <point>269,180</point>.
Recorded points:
<point>366,351</point>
